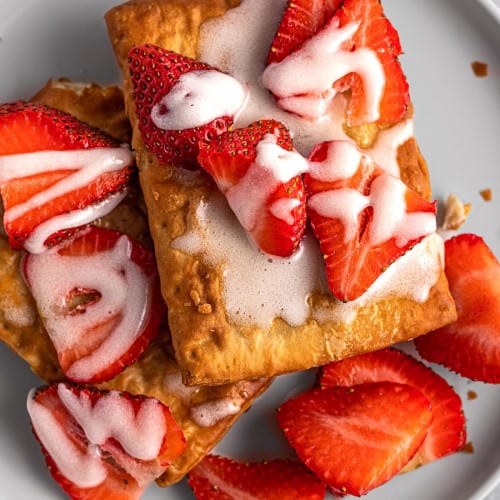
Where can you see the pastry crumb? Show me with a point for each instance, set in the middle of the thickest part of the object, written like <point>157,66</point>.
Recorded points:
<point>205,308</point>
<point>486,194</point>
<point>479,68</point>
<point>195,297</point>
<point>156,195</point>
<point>471,395</point>
<point>456,213</point>
<point>468,448</point>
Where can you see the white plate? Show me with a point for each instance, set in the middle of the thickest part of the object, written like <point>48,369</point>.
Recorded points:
<point>457,125</point>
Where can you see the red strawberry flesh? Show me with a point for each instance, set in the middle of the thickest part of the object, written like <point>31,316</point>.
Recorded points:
<point>103,444</point>
<point>40,195</point>
<point>471,345</point>
<point>155,72</point>
<point>447,433</point>
<point>357,438</point>
<point>234,158</point>
<point>223,478</point>
<point>325,36</point>
<point>364,219</point>
<point>100,301</point>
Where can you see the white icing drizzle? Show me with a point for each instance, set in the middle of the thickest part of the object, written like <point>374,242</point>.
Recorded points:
<point>198,98</point>
<point>204,414</point>
<point>312,70</point>
<point>140,433</point>
<point>173,383</point>
<point>209,413</point>
<point>390,218</point>
<point>411,276</point>
<point>35,243</point>
<point>86,166</point>
<point>253,284</point>
<point>251,28</point>
<point>125,300</point>
<point>272,167</point>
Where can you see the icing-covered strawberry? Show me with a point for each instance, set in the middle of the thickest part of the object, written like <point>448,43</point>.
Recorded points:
<point>180,101</point>
<point>103,444</point>
<point>259,172</point>
<point>99,299</point>
<point>323,48</point>
<point>56,174</point>
<point>363,217</point>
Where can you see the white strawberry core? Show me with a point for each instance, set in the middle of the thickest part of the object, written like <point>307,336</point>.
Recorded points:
<point>86,166</point>
<point>304,81</point>
<point>140,433</point>
<point>198,98</point>
<point>125,301</point>
<point>272,166</point>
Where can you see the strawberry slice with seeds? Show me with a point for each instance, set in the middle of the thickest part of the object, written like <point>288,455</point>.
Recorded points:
<point>179,102</point>
<point>323,48</point>
<point>471,345</point>
<point>259,172</point>
<point>99,298</point>
<point>356,438</point>
<point>220,477</point>
<point>364,218</point>
<point>447,433</point>
<point>103,444</point>
<point>56,174</point>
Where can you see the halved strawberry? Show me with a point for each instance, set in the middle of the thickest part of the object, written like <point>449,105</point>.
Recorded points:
<point>356,438</point>
<point>220,477</point>
<point>102,445</point>
<point>179,102</point>
<point>447,433</point>
<point>364,218</point>
<point>259,172</point>
<point>336,46</point>
<point>376,33</point>
<point>56,174</point>
<point>471,345</point>
<point>99,298</point>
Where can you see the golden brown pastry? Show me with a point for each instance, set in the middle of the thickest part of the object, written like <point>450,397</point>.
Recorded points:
<point>205,413</point>
<point>213,341</point>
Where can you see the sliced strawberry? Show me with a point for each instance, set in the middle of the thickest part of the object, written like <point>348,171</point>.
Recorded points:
<point>99,299</point>
<point>102,445</point>
<point>217,477</point>
<point>471,345</point>
<point>301,20</point>
<point>26,127</point>
<point>259,172</point>
<point>378,34</point>
<point>56,174</point>
<point>165,98</point>
<point>355,439</point>
<point>447,432</point>
<point>364,218</point>
<point>337,47</point>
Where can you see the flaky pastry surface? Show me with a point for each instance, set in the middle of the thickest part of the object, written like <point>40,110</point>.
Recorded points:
<point>208,347</point>
<point>21,327</point>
